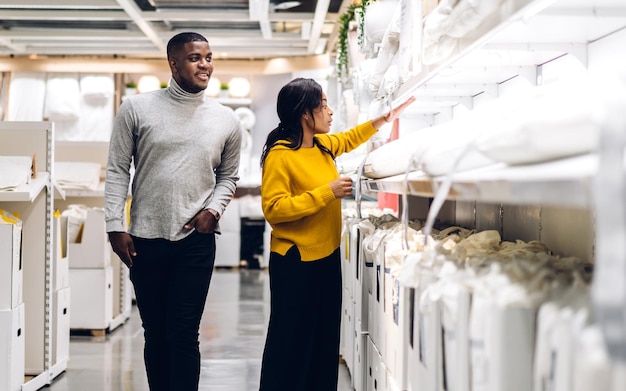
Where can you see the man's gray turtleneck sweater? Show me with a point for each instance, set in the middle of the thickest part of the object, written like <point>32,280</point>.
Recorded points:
<point>185,149</point>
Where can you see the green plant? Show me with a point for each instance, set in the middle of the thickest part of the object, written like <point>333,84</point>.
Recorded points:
<point>224,86</point>
<point>131,84</point>
<point>344,28</point>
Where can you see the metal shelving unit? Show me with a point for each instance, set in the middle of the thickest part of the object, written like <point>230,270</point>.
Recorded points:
<point>35,204</point>
<point>515,42</point>
<point>564,182</point>
<point>97,152</point>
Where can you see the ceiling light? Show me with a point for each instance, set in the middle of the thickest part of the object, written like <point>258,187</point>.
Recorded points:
<point>285,5</point>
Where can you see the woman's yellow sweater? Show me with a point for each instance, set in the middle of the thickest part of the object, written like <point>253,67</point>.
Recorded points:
<point>296,196</point>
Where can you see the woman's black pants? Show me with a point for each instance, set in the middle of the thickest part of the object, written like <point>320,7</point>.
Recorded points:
<point>302,346</point>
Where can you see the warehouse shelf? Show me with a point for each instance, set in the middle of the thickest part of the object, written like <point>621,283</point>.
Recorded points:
<point>95,152</point>
<point>27,192</point>
<point>563,182</point>
<point>512,42</point>
<point>64,193</point>
<point>236,102</point>
<point>525,43</point>
<point>34,204</point>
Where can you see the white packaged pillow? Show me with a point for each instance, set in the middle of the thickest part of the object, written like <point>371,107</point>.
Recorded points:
<point>456,152</point>
<point>394,157</point>
<point>563,122</point>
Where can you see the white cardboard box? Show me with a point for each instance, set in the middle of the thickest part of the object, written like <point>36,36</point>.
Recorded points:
<point>11,274</point>
<point>92,298</point>
<point>61,325</point>
<point>362,280</point>
<point>377,373</point>
<point>228,249</point>
<point>230,221</point>
<point>60,263</point>
<point>93,248</point>
<point>12,349</point>
<point>347,330</point>
<point>376,306</point>
<point>430,365</point>
<point>397,332</point>
<point>454,310</point>
<point>359,373</point>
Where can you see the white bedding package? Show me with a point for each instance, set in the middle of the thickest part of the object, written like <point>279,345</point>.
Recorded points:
<point>397,156</point>
<point>543,123</point>
<point>564,120</point>
<point>96,108</point>
<point>26,96</point>
<point>77,175</point>
<point>62,97</point>
<point>16,171</point>
<point>451,21</point>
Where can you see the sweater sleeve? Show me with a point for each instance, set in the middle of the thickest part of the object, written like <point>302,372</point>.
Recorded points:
<point>347,141</point>
<point>117,177</point>
<point>227,173</point>
<point>279,205</point>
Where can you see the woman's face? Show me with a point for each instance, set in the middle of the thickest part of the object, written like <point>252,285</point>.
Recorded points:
<point>192,66</point>
<point>322,117</point>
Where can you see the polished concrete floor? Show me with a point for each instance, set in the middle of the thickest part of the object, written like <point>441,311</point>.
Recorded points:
<point>232,335</point>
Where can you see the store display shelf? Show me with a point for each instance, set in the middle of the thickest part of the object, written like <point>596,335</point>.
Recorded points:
<point>37,382</point>
<point>512,42</point>
<point>509,12</point>
<point>563,182</point>
<point>26,192</point>
<point>97,192</point>
<point>235,101</point>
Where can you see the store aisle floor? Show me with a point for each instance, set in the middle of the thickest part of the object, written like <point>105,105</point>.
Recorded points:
<point>232,335</point>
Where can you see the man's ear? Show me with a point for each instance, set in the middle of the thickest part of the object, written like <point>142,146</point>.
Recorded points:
<point>173,66</point>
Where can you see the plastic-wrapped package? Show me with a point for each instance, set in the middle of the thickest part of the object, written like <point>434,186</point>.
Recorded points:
<point>72,220</point>
<point>467,15</point>
<point>385,79</point>
<point>26,96</point>
<point>62,101</point>
<point>592,365</point>
<point>16,171</point>
<point>78,175</point>
<point>563,119</point>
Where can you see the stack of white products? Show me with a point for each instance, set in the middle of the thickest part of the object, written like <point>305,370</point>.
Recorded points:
<point>16,171</point>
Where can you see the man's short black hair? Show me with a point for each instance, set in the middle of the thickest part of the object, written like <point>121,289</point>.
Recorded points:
<point>179,40</point>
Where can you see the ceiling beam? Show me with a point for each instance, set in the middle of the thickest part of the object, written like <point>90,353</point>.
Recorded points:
<point>135,13</point>
<point>64,15</point>
<point>49,4</point>
<point>321,9</point>
<point>150,16</point>
<point>14,47</point>
<point>154,65</point>
<point>81,35</point>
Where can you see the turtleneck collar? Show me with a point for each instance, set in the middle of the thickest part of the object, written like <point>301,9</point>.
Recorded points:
<point>177,92</point>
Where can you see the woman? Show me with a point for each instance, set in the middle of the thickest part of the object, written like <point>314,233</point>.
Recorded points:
<point>301,195</point>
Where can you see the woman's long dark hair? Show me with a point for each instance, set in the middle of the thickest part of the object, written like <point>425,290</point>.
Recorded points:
<point>298,97</point>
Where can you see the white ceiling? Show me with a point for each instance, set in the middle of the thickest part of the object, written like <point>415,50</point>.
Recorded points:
<point>236,29</point>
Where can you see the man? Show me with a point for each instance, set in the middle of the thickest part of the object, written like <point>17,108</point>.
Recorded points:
<point>185,148</point>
